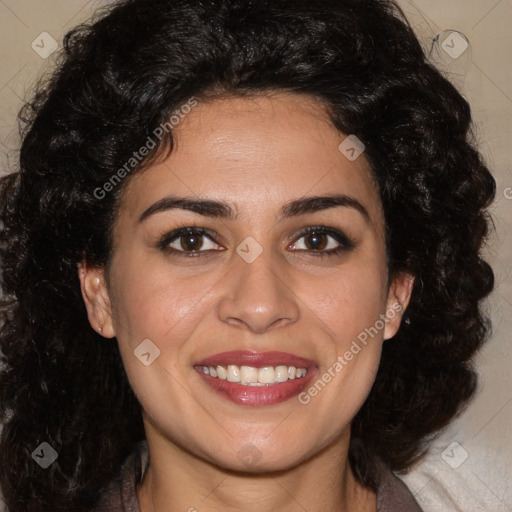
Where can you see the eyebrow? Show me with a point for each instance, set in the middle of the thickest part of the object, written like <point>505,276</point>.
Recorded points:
<point>216,209</point>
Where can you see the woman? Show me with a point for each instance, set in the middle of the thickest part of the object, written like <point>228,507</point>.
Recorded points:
<point>241,262</point>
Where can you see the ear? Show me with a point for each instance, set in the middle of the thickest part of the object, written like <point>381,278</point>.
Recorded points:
<point>399,295</point>
<point>96,298</point>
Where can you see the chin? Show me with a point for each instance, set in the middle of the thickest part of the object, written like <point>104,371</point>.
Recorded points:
<point>249,459</point>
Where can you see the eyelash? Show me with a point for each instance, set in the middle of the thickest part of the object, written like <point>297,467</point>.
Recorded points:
<point>345,243</point>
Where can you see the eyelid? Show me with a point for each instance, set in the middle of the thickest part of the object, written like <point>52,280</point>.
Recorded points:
<point>175,234</point>
<point>345,243</point>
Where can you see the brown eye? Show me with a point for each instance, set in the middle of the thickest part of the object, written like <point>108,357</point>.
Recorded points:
<point>189,242</point>
<point>320,241</point>
<point>316,241</point>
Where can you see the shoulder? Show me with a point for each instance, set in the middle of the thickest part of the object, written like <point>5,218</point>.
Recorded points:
<point>394,496</point>
<point>120,495</point>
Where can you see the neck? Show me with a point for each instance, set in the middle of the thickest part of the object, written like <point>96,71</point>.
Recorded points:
<point>178,481</point>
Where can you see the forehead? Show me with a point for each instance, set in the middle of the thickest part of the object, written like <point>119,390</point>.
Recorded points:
<point>255,153</point>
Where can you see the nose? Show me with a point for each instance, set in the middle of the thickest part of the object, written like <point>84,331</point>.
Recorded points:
<point>258,295</point>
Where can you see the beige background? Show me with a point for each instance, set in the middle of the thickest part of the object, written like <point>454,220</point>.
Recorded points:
<point>483,72</point>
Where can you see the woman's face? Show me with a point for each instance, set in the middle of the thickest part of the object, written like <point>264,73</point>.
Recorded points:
<point>250,282</point>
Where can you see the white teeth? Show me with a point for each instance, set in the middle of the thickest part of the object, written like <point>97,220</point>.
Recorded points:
<point>251,376</point>
<point>267,375</point>
<point>233,373</point>
<point>281,373</point>
<point>248,375</point>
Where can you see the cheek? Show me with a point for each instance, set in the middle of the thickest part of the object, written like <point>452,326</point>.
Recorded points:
<point>152,303</point>
<point>348,307</point>
<point>349,301</point>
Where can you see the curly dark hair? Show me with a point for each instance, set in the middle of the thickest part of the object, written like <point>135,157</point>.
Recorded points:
<point>117,79</point>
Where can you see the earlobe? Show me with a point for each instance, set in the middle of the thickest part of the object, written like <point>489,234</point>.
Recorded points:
<point>96,298</point>
<point>399,296</point>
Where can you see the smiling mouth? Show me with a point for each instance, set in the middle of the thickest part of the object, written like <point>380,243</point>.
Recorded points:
<point>252,376</point>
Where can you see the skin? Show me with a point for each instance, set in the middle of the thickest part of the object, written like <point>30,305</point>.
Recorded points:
<point>255,154</point>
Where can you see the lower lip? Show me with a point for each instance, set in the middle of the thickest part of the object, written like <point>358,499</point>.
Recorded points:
<point>258,395</point>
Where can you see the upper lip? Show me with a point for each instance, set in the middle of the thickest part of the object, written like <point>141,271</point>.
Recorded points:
<point>255,359</point>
